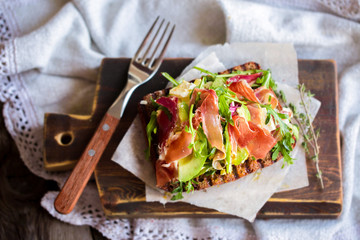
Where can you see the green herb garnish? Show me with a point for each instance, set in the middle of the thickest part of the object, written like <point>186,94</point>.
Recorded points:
<point>170,78</point>
<point>205,71</point>
<point>191,129</point>
<point>151,127</point>
<point>310,134</point>
<point>178,192</point>
<point>266,80</point>
<point>227,150</point>
<point>278,118</point>
<point>162,108</point>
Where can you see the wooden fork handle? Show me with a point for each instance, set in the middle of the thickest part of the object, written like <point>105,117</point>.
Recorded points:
<point>75,184</point>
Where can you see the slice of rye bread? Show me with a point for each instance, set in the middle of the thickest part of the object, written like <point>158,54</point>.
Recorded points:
<point>205,180</point>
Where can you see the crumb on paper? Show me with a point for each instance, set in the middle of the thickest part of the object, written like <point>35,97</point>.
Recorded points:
<point>143,102</point>
<point>257,175</point>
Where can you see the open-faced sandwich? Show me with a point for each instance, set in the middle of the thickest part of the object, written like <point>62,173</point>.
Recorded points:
<point>216,129</point>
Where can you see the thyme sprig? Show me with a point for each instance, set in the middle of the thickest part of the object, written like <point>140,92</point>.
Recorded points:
<point>311,135</point>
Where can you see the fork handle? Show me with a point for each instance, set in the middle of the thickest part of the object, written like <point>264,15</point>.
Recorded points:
<point>75,184</point>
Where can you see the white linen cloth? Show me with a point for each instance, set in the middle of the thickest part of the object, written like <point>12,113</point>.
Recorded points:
<point>50,52</point>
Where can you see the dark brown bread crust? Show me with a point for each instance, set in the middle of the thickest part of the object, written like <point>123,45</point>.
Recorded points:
<point>243,67</point>
<point>204,181</point>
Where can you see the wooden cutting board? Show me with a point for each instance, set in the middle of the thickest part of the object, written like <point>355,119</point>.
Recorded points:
<point>122,194</point>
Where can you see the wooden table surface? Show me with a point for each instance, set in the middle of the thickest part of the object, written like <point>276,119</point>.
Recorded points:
<point>21,215</point>
<point>123,195</point>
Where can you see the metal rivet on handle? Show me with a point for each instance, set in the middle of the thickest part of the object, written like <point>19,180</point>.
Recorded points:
<point>105,127</point>
<point>91,152</point>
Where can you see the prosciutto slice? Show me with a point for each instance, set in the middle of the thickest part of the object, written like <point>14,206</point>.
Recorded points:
<point>250,79</point>
<point>266,96</point>
<point>211,124</point>
<point>177,146</point>
<point>165,172</point>
<point>262,143</point>
<point>201,93</point>
<point>257,140</point>
<point>241,131</point>
<point>167,124</point>
<point>256,114</point>
<point>243,89</point>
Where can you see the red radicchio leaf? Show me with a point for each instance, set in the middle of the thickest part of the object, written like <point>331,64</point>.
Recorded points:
<point>167,124</point>
<point>249,78</point>
<point>233,108</point>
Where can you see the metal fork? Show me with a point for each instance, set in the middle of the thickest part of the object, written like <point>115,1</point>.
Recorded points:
<point>142,67</point>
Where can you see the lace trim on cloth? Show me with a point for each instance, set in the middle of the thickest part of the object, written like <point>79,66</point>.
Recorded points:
<point>346,8</point>
<point>26,131</point>
<point>18,111</point>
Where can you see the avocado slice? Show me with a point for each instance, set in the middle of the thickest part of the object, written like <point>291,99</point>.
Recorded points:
<point>191,165</point>
<point>241,156</point>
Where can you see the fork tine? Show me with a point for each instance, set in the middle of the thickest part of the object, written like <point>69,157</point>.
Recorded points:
<point>161,56</point>
<point>142,45</point>
<point>152,58</point>
<point>143,59</point>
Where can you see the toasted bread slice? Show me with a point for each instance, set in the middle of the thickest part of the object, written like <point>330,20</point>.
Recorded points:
<point>204,181</point>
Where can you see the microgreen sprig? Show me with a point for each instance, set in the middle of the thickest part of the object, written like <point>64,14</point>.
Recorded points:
<point>191,129</point>
<point>278,117</point>
<point>151,127</point>
<point>188,186</point>
<point>170,78</point>
<point>178,192</point>
<point>205,71</point>
<point>228,150</point>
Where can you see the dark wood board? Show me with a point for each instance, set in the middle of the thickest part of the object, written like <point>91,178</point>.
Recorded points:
<point>122,194</point>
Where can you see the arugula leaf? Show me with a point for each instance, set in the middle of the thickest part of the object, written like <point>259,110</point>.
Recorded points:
<point>191,129</point>
<point>205,71</point>
<point>178,192</point>
<point>266,80</point>
<point>275,150</point>
<point>285,147</point>
<point>225,98</point>
<point>278,118</point>
<point>224,110</point>
<point>285,144</point>
<point>151,127</point>
<point>238,72</point>
<point>287,158</point>
<point>203,81</point>
<point>235,99</point>
<point>227,150</point>
<point>198,141</point>
<point>189,187</point>
<point>162,108</point>
<point>200,144</point>
<point>170,78</point>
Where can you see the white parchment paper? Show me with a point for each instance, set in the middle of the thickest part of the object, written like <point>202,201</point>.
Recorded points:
<point>256,188</point>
